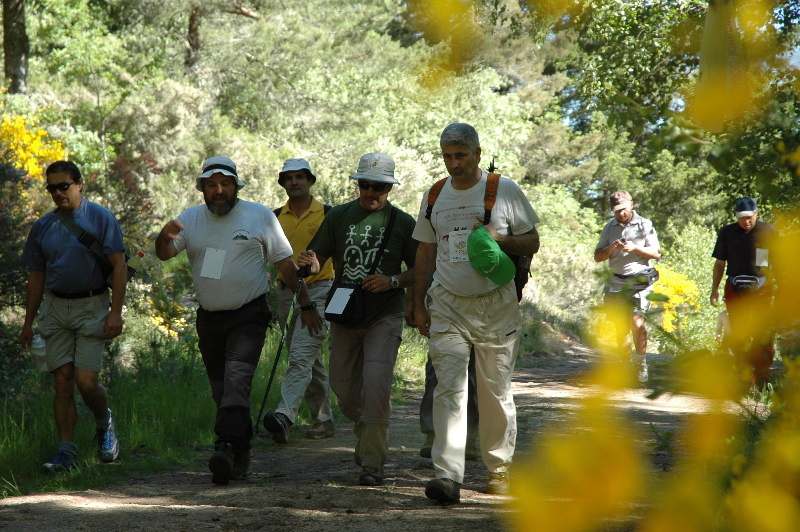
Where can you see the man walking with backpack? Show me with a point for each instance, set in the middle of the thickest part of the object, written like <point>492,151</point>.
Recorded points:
<point>473,304</point>
<point>306,377</point>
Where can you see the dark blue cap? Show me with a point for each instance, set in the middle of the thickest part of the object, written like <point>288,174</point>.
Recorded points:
<point>745,207</point>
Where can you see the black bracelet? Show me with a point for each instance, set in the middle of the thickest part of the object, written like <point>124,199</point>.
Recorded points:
<point>310,306</point>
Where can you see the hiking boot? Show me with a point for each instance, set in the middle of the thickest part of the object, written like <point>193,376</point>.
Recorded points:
<point>60,462</point>
<point>241,466</point>
<point>107,442</point>
<point>278,425</point>
<point>472,453</point>
<point>443,490</point>
<point>641,368</point>
<point>321,430</point>
<point>425,451</point>
<point>221,464</point>
<point>497,483</point>
<point>370,477</point>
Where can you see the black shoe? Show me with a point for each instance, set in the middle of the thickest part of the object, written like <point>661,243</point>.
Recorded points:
<point>370,477</point>
<point>221,464</point>
<point>278,425</point>
<point>425,451</point>
<point>443,490</point>
<point>241,466</point>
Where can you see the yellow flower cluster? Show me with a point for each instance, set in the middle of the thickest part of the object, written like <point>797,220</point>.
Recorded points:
<point>682,293</point>
<point>28,147</point>
<point>170,328</point>
<point>588,473</point>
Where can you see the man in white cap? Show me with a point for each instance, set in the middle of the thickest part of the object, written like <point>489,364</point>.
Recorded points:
<point>743,247</point>
<point>473,305</point>
<point>368,239</point>
<point>628,242</point>
<point>227,242</point>
<point>306,377</point>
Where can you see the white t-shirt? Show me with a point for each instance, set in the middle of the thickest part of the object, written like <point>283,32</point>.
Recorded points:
<point>228,253</point>
<point>452,219</point>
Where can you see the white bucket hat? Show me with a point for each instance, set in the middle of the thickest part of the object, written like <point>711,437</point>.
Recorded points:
<point>376,167</point>
<point>291,165</point>
<point>218,165</point>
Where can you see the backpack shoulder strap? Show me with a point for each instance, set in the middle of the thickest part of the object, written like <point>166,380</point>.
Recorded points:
<point>433,195</point>
<point>326,208</point>
<point>490,196</point>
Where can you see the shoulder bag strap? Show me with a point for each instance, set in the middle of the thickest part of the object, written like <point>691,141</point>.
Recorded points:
<point>385,241</point>
<point>85,238</point>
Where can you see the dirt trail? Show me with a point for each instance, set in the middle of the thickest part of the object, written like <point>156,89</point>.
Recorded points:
<point>313,485</point>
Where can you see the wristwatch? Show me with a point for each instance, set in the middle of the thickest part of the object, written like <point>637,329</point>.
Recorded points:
<point>310,306</point>
<point>394,282</point>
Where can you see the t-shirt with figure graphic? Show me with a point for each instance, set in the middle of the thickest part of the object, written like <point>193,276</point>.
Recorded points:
<point>352,236</point>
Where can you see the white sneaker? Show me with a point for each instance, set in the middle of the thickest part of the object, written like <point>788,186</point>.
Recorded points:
<point>641,368</point>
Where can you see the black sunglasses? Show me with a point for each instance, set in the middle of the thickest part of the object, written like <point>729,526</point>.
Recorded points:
<point>377,187</point>
<point>61,187</point>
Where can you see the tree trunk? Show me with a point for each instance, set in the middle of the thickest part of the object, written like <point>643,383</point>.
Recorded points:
<point>16,46</point>
<point>193,43</point>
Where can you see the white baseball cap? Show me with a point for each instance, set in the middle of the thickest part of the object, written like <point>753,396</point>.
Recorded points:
<point>376,167</point>
<point>290,165</point>
<point>218,165</point>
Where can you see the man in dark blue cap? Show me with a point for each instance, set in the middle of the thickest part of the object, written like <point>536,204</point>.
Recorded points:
<point>742,254</point>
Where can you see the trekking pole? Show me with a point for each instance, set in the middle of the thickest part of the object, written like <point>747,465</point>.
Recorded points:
<point>302,273</point>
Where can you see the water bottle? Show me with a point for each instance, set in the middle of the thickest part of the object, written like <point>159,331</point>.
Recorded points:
<point>39,352</point>
<point>134,261</point>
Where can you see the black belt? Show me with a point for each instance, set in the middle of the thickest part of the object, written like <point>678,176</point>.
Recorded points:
<point>81,295</point>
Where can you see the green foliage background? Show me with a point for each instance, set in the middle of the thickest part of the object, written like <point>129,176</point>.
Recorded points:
<point>573,100</point>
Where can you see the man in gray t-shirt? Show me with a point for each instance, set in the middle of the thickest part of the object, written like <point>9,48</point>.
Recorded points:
<point>628,242</point>
<point>228,242</point>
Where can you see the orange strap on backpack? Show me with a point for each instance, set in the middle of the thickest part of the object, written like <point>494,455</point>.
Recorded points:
<point>489,196</point>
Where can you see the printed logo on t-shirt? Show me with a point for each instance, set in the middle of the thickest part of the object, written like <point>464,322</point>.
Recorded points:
<point>359,252</point>
<point>240,236</point>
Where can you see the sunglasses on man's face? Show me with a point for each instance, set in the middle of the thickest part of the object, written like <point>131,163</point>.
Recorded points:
<point>377,187</point>
<point>61,187</point>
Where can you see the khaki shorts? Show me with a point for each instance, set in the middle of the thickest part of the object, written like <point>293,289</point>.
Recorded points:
<point>637,300</point>
<point>74,330</point>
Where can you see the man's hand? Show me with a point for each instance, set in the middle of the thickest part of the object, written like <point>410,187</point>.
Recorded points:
<point>26,336</point>
<point>312,320</point>
<point>113,326</point>
<point>714,297</point>
<point>422,320</point>
<point>171,229</point>
<point>308,258</point>
<point>377,282</point>
<point>165,250</point>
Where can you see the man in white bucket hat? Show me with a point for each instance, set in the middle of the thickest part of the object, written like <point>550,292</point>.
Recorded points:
<point>368,239</point>
<point>228,241</point>
<point>306,377</point>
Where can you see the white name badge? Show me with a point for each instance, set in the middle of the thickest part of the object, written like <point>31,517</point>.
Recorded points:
<point>762,257</point>
<point>213,261</point>
<point>458,246</point>
<point>339,300</point>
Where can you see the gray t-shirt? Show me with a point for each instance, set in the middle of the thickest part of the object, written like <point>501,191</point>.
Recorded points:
<point>639,231</point>
<point>228,253</point>
<point>453,216</point>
